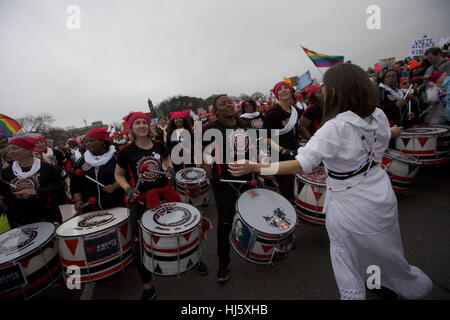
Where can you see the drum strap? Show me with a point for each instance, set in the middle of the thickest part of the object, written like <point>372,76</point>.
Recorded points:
<point>351,174</point>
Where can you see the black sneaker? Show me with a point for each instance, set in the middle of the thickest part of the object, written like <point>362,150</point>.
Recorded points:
<point>222,274</point>
<point>149,294</point>
<point>201,268</point>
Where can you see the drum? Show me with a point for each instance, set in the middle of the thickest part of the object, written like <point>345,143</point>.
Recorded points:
<point>29,262</point>
<point>401,169</point>
<point>422,143</point>
<point>170,236</point>
<point>192,186</point>
<point>262,229</point>
<point>309,195</point>
<point>97,242</point>
<point>443,139</point>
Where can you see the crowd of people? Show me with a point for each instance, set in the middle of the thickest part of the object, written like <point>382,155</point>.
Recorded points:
<point>311,122</point>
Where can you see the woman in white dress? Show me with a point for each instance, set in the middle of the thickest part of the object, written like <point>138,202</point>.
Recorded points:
<point>360,205</point>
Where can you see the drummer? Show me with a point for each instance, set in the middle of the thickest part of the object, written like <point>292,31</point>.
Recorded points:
<point>395,103</point>
<point>98,163</point>
<point>250,115</point>
<point>361,207</point>
<point>225,193</point>
<point>143,150</point>
<point>178,130</point>
<point>32,188</point>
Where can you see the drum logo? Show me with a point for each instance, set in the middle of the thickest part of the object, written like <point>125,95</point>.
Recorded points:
<point>172,216</point>
<point>192,175</point>
<point>278,220</point>
<point>257,123</point>
<point>18,240</point>
<point>95,220</point>
<point>23,184</point>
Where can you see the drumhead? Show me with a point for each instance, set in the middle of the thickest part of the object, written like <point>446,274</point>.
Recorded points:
<point>171,218</point>
<point>317,177</point>
<point>403,157</point>
<point>421,131</point>
<point>20,241</point>
<point>267,211</point>
<point>190,175</point>
<point>92,222</point>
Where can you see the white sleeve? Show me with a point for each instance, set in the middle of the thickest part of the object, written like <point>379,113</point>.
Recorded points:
<point>324,144</point>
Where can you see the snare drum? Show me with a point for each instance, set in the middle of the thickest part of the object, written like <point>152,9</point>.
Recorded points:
<point>192,186</point>
<point>29,263</point>
<point>422,143</point>
<point>170,236</point>
<point>401,169</point>
<point>309,195</point>
<point>97,242</point>
<point>443,140</point>
<point>262,230</point>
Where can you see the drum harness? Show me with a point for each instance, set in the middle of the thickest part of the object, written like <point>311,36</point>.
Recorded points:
<point>369,163</point>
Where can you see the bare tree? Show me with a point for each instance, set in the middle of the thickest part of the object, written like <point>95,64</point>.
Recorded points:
<point>39,123</point>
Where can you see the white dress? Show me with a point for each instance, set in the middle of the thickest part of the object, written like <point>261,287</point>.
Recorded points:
<point>361,221</point>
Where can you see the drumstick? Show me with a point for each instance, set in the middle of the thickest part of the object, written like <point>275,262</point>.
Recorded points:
<point>253,182</point>
<point>142,169</point>
<point>407,92</point>
<point>79,172</point>
<point>9,184</point>
<point>91,200</point>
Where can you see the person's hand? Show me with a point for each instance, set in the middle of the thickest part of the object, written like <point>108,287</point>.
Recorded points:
<point>132,194</point>
<point>240,168</point>
<point>395,131</point>
<point>26,193</point>
<point>411,116</point>
<point>110,188</point>
<point>401,103</point>
<point>78,205</point>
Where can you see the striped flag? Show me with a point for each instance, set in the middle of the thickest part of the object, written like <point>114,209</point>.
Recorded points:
<point>323,60</point>
<point>8,126</point>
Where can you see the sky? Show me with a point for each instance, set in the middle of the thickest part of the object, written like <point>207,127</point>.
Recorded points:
<point>126,51</point>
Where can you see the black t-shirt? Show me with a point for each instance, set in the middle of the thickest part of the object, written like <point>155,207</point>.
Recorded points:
<point>255,123</point>
<point>277,118</point>
<point>313,113</point>
<point>42,207</point>
<point>130,157</point>
<point>103,174</point>
<point>232,142</point>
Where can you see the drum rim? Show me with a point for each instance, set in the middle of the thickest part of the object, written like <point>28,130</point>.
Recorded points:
<point>174,233</point>
<point>417,162</point>
<point>116,226</point>
<point>299,176</point>
<point>46,241</point>
<point>409,133</point>
<point>92,231</point>
<point>294,225</point>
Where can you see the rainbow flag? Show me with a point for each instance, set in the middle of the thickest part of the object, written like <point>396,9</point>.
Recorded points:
<point>323,60</point>
<point>8,126</point>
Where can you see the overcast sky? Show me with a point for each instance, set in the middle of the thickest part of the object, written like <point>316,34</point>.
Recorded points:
<point>128,51</point>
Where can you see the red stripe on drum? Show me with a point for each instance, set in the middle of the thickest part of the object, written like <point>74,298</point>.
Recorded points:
<point>126,246</point>
<point>308,218</point>
<point>402,179</point>
<point>417,151</point>
<point>31,285</point>
<point>105,260</point>
<point>68,263</point>
<point>398,190</point>
<point>307,205</point>
<point>104,274</point>
<point>173,250</point>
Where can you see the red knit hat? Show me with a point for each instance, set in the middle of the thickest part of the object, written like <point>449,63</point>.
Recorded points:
<point>23,142</point>
<point>173,115</point>
<point>413,64</point>
<point>278,85</point>
<point>133,116</point>
<point>311,89</point>
<point>99,133</point>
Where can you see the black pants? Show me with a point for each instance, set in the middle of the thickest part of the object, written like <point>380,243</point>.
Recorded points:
<point>225,196</point>
<point>286,184</point>
<point>136,212</point>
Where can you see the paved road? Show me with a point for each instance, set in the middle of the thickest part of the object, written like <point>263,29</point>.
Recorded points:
<point>424,216</point>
